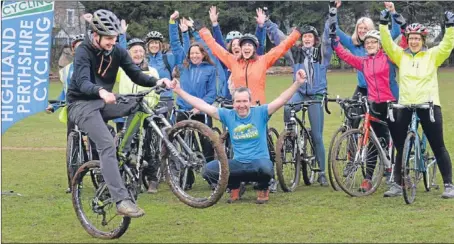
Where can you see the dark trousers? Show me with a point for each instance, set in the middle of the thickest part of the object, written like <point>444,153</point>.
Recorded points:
<point>434,134</point>
<point>259,170</point>
<point>91,116</point>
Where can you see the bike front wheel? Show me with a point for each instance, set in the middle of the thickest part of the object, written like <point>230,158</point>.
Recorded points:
<point>288,163</point>
<point>335,137</point>
<point>358,169</point>
<point>410,171</point>
<point>94,207</point>
<point>204,182</point>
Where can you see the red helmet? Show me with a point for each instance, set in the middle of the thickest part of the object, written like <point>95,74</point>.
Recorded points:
<point>416,28</point>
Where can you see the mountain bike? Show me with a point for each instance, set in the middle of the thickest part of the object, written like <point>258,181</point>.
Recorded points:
<point>96,202</point>
<point>360,150</point>
<point>347,107</point>
<point>416,159</point>
<point>295,149</point>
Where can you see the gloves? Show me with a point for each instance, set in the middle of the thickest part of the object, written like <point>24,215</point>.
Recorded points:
<point>400,20</point>
<point>332,4</point>
<point>384,17</point>
<point>449,19</point>
<point>332,30</point>
<point>198,25</point>
<point>335,42</point>
<point>332,11</point>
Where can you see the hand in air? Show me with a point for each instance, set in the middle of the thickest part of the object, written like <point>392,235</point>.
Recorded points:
<point>175,15</point>
<point>261,17</point>
<point>213,15</point>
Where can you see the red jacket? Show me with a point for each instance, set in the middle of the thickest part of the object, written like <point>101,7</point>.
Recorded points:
<point>377,70</point>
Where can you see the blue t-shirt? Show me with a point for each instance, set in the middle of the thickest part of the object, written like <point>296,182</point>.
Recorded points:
<point>247,135</point>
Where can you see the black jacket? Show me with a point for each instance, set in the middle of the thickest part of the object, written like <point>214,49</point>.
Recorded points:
<point>88,77</point>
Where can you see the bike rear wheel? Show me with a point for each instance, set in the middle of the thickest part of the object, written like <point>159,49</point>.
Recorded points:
<point>410,171</point>
<point>349,157</point>
<point>335,137</point>
<point>288,163</point>
<point>95,206</point>
<point>208,184</point>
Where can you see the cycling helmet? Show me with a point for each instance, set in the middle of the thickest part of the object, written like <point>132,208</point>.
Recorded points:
<point>154,35</point>
<point>232,35</point>
<point>310,29</point>
<point>416,28</point>
<point>135,41</point>
<point>105,23</point>
<point>373,34</point>
<point>249,37</point>
<point>76,39</point>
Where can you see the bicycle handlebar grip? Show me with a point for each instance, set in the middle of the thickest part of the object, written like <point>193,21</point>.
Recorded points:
<point>55,101</point>
<point>326,106</point>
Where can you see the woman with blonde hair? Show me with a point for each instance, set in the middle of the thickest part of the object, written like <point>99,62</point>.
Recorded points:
<point>355,44</point>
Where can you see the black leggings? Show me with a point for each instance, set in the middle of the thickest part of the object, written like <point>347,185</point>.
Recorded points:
<point>434,134</point>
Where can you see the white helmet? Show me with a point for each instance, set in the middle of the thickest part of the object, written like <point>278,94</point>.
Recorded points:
<point>232,35</point>
<point>373,34</point>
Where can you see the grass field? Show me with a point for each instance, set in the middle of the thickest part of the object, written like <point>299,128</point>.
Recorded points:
<point>44,213</point>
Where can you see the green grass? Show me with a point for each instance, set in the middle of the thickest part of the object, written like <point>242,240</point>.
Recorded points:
<point>44,212</point>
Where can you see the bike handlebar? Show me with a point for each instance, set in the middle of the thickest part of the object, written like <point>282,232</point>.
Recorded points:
<point>427,105</point>
<point>141,94</point>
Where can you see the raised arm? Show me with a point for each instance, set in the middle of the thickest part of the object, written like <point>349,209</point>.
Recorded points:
<point>260,32</point>
<point>122,37</point>
<point>395,27</point>
<point>287,94</point>
<point>276,36</point>
<point>275,53</point>
<point>345,55</point>
<point>196,102</point>
<point>393,51</point>
<point>216,28</point>
<point>210,96</point>
<point>225,57</point>
<point>327,50</point>
<point>175,43</point>
<point>444,49</point>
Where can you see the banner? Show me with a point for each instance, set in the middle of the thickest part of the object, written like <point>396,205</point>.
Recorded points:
<point>26,45</point>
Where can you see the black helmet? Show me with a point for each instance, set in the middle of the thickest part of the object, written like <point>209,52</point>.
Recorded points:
<point>105,23</point>
<point>154,35</point>
<point>76,39</point>
<point>310,29</point>
<point>135,41</point>
<point>249,37</point>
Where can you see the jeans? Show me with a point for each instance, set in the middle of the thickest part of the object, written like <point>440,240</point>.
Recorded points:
<point>259,170</point>
<point>90,116</point>
<point>316,119</point>
<point>434,134</point>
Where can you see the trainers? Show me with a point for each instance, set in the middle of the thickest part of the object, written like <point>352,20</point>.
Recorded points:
<point>394,191</point>
<point>322,180</point>
<point>449,191</point>
<point>366,185</point>
<point>234,195</point>
<point>129,209</point>
<point>153,187</point>
<point>263,196</point>
<point>273,186</point>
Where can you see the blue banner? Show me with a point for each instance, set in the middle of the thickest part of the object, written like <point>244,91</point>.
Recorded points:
<point>26,51</point>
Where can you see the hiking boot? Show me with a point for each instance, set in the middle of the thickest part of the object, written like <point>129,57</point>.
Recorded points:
<point>273,186</point>
<point>234,195</point>
<point>262,196</point>
<point>153,187</point>
<point>394,191</point>
<point>449,191</point>
<point>366,185</point>
<point>322,180</point>
<point>129,209</point>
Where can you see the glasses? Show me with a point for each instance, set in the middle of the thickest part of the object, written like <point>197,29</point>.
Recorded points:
<point>370,42</point>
